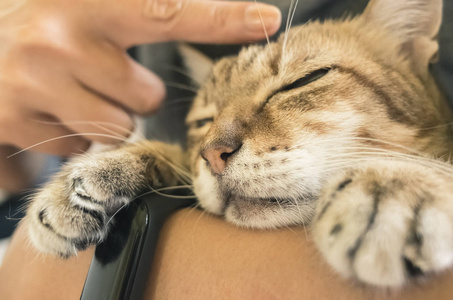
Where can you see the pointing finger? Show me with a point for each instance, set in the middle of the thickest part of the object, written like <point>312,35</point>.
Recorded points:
<point>201,21</point>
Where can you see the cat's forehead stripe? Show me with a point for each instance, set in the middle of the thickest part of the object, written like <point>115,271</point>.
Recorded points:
<point>247,63</point>
<point>231,68</point>
<point>228,70</point>
<point>275,61</point>
<point>393,111</point>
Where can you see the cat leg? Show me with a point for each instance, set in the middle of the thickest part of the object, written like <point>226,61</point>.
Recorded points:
<point>387,222</point>
<point>73,210</point>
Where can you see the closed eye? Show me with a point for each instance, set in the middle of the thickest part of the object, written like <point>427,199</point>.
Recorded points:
<point>313,76</point>
<point>202,122</point>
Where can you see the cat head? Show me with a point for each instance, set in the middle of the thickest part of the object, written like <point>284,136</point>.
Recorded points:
<point>269,126</point>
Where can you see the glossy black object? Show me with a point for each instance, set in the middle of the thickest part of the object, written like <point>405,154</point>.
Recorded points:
<point>121,264</point>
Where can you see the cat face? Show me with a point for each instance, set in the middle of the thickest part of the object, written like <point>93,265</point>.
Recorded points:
<point>269,126</point>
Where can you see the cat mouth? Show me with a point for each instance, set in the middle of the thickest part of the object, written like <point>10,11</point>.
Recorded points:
<point>256,202</point>
<point>250,205</point>
<point>246,203</point>
<point>272,200</point>
<point>267,212</point>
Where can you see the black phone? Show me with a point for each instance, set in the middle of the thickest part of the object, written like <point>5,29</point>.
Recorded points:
<point>122,262</point>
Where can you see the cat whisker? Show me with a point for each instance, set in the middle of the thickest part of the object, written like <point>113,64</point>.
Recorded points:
<point>175,187</point>
<point>152,191</point>
<point>12,218</point>
<point>370,151</point>
<point>296,204</point>
<point>181,170</point>
<point>195,227</point>
<point>178,101</point>
<point>291,4</point>
<point>168,188</point>
<point>183,174</point>
<point>303,223</point>
<point>298,207</point>
<point>101,125</point>
<point>182,72</point>
<point>192,208</point>
<point>181,86</point>
<point>290,229</point>
<point>262,22</point>
<point>390,144</point>
<point>68,136</point>
<point>170,196</point>
<point>354,158</point>
<point>437,126</point>
<point>116,212</point>
<point>98,124</point>
<point>21,209</point>
<point>279,204</point>
<point>354,138</point>
<point>399,154</point>
<point>306,233</point>
<point>369,154</point>
<point>289,20</point>
<point>296,31</point>
<point>348,160</point>
<point>292,15</point>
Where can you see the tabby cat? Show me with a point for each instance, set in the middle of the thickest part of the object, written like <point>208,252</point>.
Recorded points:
<point>338,124</point>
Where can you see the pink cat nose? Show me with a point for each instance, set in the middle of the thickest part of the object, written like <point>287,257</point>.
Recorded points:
<point>217,157</point>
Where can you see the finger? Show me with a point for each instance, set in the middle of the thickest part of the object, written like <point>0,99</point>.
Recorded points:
<point>81,110</point>
<point>34,135</point>
<point>115,75</point>
<point>14,175</point>
<point>86,113</point>
<point>95,118</point>
<point>137,21</point>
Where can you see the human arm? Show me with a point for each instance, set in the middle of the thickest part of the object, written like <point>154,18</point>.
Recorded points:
<point>203,257</point>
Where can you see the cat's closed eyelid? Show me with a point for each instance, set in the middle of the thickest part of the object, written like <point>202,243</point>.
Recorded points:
<point>202,122</point>
<point>303,81</point>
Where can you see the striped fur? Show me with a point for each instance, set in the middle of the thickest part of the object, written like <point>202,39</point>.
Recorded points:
<point>337,124</point>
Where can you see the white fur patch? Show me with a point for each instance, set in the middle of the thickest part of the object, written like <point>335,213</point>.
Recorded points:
<point>206,189</point>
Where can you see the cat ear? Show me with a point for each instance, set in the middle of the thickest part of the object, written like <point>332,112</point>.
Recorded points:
<point>198,64</point>
<point>415,23</point>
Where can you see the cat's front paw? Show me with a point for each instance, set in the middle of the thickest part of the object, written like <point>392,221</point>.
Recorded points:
<point>386,223</point>
<point>74,210</point>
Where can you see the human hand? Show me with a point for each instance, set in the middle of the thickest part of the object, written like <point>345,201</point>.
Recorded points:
<point>65,61</point>
<point>64,71</point>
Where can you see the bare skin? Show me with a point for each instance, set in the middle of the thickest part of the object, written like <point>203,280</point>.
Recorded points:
<point>203,257</point>
<point>13,174</point>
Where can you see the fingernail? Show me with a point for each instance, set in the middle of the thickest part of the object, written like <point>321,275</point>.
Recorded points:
<point>162,9</point>
<point>256,15</point>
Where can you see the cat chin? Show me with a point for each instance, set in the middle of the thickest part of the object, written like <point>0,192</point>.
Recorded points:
<point>207,190</point>
<point>246,211</point>
<point>267,213</point>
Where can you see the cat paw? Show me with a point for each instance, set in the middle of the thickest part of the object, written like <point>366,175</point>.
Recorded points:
<point>74,210</point>
<point>387,223</point>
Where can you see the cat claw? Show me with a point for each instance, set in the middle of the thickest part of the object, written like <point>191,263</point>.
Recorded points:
<point>79,189</point>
